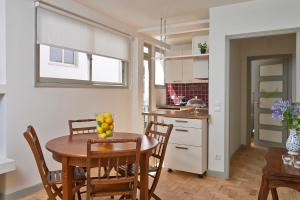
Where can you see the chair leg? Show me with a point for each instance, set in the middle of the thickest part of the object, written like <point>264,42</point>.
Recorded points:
<point>78,195</point>
<point>156,197</point>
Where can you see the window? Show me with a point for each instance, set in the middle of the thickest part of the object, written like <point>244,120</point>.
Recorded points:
<point>67,59</point>
<point>92,69</point>
<point>109,70</point>
<point>55,63</point>
<point>63,56</point>
<point>146,50</point>
<point>159,69</point>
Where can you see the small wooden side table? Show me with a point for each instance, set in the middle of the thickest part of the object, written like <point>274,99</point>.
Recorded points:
<point>276,174</point>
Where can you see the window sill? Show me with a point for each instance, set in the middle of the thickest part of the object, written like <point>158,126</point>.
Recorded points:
<point>78,85</point>
<point>7,165</point>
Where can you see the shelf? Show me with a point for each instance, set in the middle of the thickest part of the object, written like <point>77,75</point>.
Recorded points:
<point>200,56</point>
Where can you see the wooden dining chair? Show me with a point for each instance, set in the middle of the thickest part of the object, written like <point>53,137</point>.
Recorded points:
<point>51,179</point>
<point>109,182</point>
<point>161,132</point>
<point>82,129</point>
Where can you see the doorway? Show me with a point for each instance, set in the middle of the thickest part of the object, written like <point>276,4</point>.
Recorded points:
<point>146,81</point>
<point>268,80</point>
<point>271,62</point>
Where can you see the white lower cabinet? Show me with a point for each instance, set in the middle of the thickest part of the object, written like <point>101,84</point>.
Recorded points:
<point>185,158</point>
<point>187,148</point>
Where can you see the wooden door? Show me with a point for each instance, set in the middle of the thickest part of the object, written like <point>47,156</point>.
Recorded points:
<point>271,85</point>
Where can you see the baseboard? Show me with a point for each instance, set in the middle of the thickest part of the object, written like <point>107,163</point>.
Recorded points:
<point>21,193</point>
<point>216,174</point>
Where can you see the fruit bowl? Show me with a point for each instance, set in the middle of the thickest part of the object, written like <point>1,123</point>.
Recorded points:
<point>105,125</point>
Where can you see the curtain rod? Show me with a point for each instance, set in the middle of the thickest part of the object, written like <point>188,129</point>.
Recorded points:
<point>79,17</point>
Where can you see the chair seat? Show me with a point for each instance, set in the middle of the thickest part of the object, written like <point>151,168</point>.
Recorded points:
<point>54,177</point>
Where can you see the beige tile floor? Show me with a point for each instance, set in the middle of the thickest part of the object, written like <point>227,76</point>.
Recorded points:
<point>244,183</point>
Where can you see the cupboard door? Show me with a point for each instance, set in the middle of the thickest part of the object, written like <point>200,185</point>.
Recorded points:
<point>185,158</point>
<point>173,71</point>
<point>200,69</point>
<point>187,70</point>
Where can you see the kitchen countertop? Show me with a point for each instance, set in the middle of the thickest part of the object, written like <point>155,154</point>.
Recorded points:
<point>175,107</point>
<point>189,114</point>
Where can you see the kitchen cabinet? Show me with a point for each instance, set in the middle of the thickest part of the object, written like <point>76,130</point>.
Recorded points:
<point>200,69</point>
<point>183,65</point>
<point>187,148</point>
<point>187,70</point>
<point>173,71</point>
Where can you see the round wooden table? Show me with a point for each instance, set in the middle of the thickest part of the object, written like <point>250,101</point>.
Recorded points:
<point>71,151</point>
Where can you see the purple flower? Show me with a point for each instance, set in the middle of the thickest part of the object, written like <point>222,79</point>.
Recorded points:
<point>296,109</point>
<point>278,109</point>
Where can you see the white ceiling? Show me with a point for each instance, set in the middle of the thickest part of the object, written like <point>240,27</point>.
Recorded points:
<point>141,14</point>
<point>147,13</point>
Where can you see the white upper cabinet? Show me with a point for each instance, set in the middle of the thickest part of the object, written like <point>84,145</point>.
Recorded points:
<point>200,69</point>
<point>187,70</point>
<point>184,65</point>
<point>173,71</point>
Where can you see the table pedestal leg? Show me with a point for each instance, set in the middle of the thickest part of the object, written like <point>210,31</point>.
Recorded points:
<point>264,189</point>
<point>67,176</point>
<point>144,191</point>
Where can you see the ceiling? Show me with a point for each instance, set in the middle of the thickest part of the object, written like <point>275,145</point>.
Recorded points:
<point>142,14</point>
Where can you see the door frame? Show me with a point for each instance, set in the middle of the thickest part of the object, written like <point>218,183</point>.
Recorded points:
<point>251,58</point>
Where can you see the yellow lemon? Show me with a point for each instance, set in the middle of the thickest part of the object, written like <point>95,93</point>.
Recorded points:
<point>111,127</point>
<point>108,120</point>
<point>102,136</point>
<point>107,115</point>
<point>104,126</point>
<point>100,130</point>
<point>100,118</point>
<point>108,133</point>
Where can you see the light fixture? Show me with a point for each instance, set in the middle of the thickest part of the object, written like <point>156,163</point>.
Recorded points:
<point>163,38</point>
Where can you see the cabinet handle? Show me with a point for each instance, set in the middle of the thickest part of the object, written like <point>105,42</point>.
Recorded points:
<point>181,121</point>
<point>183,148</point>
<point>181,130</point>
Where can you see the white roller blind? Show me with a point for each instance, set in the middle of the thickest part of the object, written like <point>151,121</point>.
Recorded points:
<point>63,31</point>
<point>108,44</point>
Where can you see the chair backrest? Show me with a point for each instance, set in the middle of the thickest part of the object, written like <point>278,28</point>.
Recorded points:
<point>82,129</point>
<point>109,163</point>
<point>33,141</point>
<point>161,132</point>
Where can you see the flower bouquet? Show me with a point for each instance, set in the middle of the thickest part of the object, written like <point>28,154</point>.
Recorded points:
<point>289,112</point>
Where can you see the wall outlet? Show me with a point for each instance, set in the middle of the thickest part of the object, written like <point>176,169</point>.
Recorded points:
<point>218,157</point>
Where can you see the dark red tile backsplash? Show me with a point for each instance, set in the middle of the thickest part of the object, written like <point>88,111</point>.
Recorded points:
<point>189,90</point>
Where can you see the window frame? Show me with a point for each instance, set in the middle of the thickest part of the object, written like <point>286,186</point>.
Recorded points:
<point>156,49</point>
<point>76,83</point>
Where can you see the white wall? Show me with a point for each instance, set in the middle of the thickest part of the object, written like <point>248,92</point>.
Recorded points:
<point>2,77</point>
<point>244,18</point>
<point>46,108</point>
<point>2,41</point>
<point>235,96</point>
